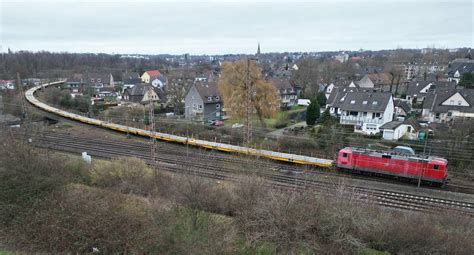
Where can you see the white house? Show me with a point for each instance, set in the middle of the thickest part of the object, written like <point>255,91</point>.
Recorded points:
<point>366,111</point>
<point>395,130</point>
<point>444,106</point>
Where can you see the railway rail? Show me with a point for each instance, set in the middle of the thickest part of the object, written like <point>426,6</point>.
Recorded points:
<point>261,164</point>
<point>171,161</point>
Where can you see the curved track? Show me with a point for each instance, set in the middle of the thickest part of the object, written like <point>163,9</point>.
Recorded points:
<point>293,158</point>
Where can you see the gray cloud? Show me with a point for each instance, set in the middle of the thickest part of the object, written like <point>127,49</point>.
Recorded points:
<point>210,27</point>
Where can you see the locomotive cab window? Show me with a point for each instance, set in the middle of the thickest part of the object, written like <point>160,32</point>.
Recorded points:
<point>435,167</point>
<point>344,155</point>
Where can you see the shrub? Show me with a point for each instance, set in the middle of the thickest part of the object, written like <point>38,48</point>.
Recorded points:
<point>126,175</point>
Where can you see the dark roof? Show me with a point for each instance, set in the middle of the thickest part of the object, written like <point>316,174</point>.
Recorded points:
<point>132,81</point>
<point>208,89</point>
<point>160,77</point>
<point>365,101</point>
<point>137,90</point>
<point>131,75</point>
<point>402,104</point>
<point>392,125</point>
<point>337,93</point>
<point>463,66</point>
<point>434,100</point>
<point>282,85</point>
<point>414,87</point>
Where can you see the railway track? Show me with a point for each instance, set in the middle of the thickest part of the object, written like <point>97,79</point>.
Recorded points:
<point>261,164</point>
<point>220,167</point>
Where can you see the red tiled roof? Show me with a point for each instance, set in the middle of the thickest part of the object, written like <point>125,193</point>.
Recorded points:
<point>153,72</point>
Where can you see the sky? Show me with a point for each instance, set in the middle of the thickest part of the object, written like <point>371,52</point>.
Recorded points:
<point>232,27</point>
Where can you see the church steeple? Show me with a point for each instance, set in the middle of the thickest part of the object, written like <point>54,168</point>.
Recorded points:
<point>258,49</point>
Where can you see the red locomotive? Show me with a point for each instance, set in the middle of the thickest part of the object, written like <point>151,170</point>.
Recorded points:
<point>394,163</point>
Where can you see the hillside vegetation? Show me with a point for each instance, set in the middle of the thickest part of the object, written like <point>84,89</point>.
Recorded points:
<point>53,203</point>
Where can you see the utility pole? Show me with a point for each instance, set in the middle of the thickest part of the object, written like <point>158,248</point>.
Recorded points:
<point>151,117</point>
<point>248,108</point>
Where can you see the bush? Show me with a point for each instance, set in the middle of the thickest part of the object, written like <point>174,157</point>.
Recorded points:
<point>82,219</point>
<point>28,175</point>
<point>127,175</point>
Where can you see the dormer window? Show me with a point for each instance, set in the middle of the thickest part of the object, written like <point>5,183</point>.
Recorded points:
<point>364,102</point>
<point>374,102</point>
<point>209,98</point>
<point>92,80</point>
<point>99,80</point>
<point>353,101</point>
<point>217,98</point>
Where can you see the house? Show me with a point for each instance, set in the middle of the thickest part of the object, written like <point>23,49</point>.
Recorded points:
<point>203,102</point>
<point>146,76</point>
<point>7,84</point>
<point>417,90</point>
<point>144,94</point>
<point>97,81</point>
<point>158,81</point>
<point>446,105</point>
<point>458,67</point>
<point>366,111</point>
<point>395,130</point>
<point>130,82</point>
<point>286,92</point>
<point>75,86</point>
<point>402,108</point>
<point>381,81</point>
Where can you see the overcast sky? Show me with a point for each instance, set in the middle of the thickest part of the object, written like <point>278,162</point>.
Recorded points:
<point>219,27</point>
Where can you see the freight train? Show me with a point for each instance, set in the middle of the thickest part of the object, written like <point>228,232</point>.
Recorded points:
<point>428,169</point>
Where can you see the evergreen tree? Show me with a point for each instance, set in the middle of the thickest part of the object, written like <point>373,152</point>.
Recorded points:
<point>312,112</point>
<point>321,98</point>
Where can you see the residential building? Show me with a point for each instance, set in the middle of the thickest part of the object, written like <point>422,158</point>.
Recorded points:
<point>7,84</point>
<point>458,67</point>
<point>446,105</point>
<point>203,102</point>
<point>364,110</point>
<point>75,86</point>
<point>158,81</point>
<point>286,91</point>
<point>381,81</point>
<point>97,80</point>
<point>395,130</point>
<point>417,90</point>
<point>402,108</point>
<point>144,94</point>
<point>146,76</point>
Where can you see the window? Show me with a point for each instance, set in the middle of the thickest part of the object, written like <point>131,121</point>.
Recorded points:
<point>194,107</point>
<point>450,114</point>
<point>435,167</point>
<point>374,102</point>
<point>353,101</point>
<point>377,115</point>
<point>209,98</point>
<point>344,155</point>
<point>451,102</point>
<point>200,106</point>
<point>364,102</point>
<point>217,98</point>
<point>364,114</point>
<point>409,129</point>
<point>99,80</point>
<point>218,106</point>
<point>459,102</point>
